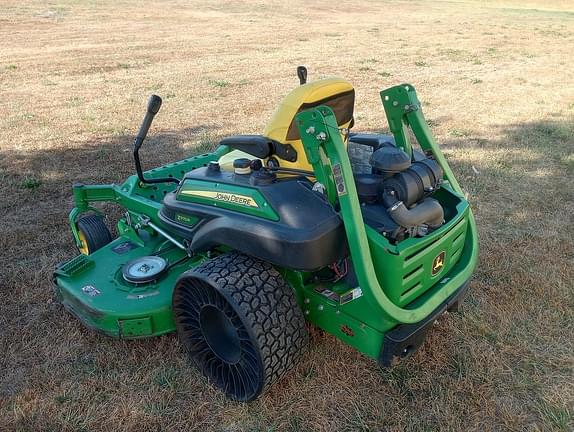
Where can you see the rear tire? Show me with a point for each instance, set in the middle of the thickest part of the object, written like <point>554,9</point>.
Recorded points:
<point>240,323</point>
<point>93,232</point>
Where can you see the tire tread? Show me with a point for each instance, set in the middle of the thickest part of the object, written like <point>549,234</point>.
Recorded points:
<point>268,306</point>
<point>95,231</point>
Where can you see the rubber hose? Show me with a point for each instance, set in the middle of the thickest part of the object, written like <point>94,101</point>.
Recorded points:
<point>428,211</point>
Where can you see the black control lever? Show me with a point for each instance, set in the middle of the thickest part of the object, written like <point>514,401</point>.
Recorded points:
<point>302,74</point>
<point>153,106</point>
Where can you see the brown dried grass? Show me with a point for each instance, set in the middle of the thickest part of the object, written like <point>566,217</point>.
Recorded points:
<point>497,84</point>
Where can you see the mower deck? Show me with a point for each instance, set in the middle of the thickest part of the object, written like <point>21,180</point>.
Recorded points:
<point>93,289</point>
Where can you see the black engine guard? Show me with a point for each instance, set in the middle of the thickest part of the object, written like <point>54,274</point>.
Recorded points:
<point>405,339</point>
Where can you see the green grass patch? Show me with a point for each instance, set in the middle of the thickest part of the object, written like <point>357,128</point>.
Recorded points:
<point>568,161</point>
<point>63,398</point>
<point>206,143</point>
<point>75,101</point>
<point>503,164</point>
<point>167,378</point>
<point>218,83</point>
<point>159,408</point>
<point>30,183</point>
<point>310,373</point>
<point>296,424</point>
<point>459,133</point>
<point>556,417</point>
<point>454,54</point>
<point>460,365</point>
<point>459,55</point>
<point>553,131</point>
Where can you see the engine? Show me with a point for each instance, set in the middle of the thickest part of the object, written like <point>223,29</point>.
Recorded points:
<point>396,197</point>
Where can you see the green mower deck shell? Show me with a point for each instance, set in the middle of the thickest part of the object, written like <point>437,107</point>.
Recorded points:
<point>104,301</point>
<point>115,311</point>
<point>397,284</point>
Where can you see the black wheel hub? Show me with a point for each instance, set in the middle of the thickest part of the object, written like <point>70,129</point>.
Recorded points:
<point>217,339</point>
<point>220,334</point>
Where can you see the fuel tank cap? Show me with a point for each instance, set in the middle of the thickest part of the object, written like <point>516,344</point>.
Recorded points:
<point>144,269</point>
<point>213,167</point>
<point>242,166</point>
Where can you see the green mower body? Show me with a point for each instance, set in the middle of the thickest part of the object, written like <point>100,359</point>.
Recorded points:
<point>351,269</point>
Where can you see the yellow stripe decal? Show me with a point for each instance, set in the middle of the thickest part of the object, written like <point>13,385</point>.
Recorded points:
<point>222,196</point>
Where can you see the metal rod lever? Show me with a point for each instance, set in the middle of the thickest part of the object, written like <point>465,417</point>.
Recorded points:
<point>167,236</point>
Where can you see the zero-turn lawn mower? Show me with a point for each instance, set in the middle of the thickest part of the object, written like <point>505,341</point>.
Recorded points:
<point>238,248</point>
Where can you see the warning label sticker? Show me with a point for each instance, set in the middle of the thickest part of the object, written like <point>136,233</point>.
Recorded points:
<point>346,297</point>
<point>339,183</point>
<point>355,293</point>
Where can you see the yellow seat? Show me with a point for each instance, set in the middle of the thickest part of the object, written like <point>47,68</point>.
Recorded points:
<point>336,93</point>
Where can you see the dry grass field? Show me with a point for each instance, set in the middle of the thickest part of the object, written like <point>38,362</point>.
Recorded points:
<point>497,82</point>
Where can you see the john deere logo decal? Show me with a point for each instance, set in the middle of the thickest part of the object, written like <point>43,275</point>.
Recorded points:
<point>438,263</point>
<point>222,196</point>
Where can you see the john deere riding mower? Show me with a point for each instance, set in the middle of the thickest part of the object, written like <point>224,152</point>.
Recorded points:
<point>237,249</point>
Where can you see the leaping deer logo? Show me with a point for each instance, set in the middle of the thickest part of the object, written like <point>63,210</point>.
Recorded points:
<point>438,263</point>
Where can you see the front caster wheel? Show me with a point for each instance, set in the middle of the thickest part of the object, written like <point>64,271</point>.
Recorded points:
<point>93,233</point>
<point>240,323</point>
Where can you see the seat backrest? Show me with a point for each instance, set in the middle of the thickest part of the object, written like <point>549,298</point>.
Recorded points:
<point>336,93</point>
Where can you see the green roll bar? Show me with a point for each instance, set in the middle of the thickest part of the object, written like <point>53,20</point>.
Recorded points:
<point>327,154</point>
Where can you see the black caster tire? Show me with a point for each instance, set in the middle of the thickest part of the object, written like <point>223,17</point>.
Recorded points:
<point>240,323</point>
<point>93,232</point>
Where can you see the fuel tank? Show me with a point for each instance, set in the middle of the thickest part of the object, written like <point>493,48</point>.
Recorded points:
<point>279,220</point>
